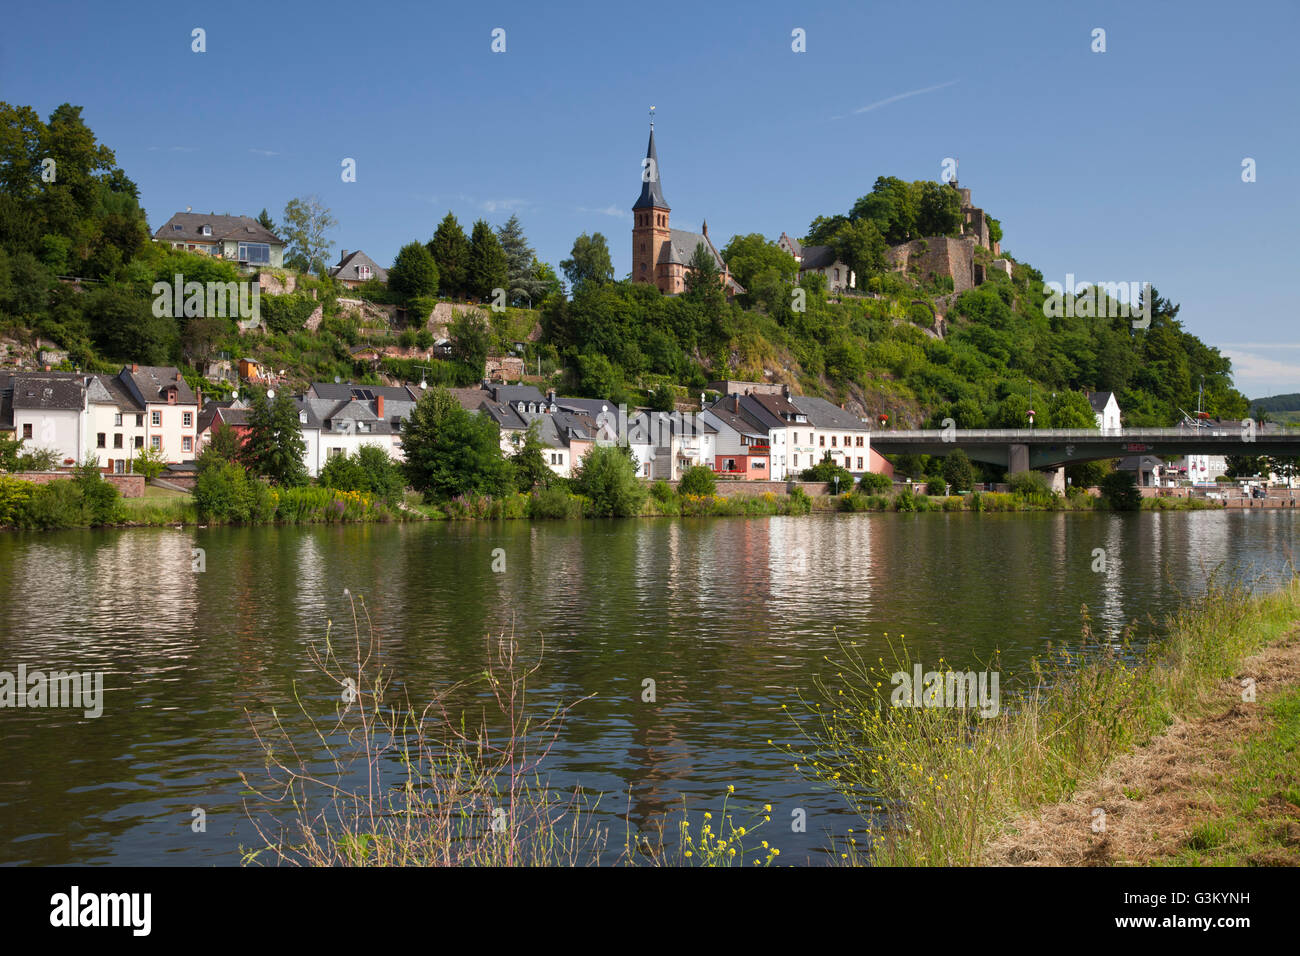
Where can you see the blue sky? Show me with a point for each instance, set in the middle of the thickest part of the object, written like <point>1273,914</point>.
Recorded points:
<point>1115,166</point>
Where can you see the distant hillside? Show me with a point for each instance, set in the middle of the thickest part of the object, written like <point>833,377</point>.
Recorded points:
<point>1278,403</point>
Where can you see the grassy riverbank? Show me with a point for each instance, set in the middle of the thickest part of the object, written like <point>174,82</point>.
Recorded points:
<point>939,786</point>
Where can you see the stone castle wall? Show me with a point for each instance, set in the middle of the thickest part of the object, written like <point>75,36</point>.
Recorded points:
<point>940,255</point>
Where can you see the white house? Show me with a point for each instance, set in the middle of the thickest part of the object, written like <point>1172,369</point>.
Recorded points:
<point>1106,410</point>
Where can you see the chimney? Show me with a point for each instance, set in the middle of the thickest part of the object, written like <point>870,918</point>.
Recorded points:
<point>179,378</point>
<point>706,229</point>
<point>343,255</point>
<point>198,396</point>
<point>787,393</point>
<point>379,406</point>
<point>735,402</point>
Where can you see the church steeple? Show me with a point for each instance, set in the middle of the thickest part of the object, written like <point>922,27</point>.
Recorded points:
<point>652,194</point>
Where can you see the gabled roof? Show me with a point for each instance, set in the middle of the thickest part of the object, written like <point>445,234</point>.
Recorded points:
<point>49,390</point>
<point>793,243</point>
<point>652,193</point>
<point>349,267</point>
<point>514,394</point>
<point>780,407</point>
<point>817,257</point>
<point>223,227</point>
<point>823,414</point>
<point>1099,400</point>
<point>732,412</point>
<point>148,384</point>
<point>346,391</point>
<point>110,388</point>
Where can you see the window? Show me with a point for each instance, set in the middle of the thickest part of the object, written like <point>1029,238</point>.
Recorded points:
<point>187,444</point>
<point>821,441</point>
<point>139,441</point>
<point>117,419</point>
<point>155,443</point>
<point>335,453</point>
<point>859,441</point>
<point>859,464</point>
<point>101,440</point>
<point>796,461</point>
<point>155,418</point>
<point>187,421</point>
<point>206,230</point>
<point>27,429</point>
<point>833,437</point>
<point>177,227</point>
<point>139,421</point>
<point>254,252</point>
<point>363,272</point>
<point>302,418</point>
<point>119,467</point>
<point>847,442</point>
<point>759,463</point>
<point>117,440</point>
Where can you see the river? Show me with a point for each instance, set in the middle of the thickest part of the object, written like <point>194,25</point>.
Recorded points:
<point>728,616</point>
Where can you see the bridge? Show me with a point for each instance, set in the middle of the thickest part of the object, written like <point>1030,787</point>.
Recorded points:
<point>1023,449</point>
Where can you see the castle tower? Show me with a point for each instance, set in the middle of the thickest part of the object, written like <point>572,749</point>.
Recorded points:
<point>649,219</point>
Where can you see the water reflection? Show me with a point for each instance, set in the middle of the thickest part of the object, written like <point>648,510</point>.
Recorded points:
<point>727,617</point>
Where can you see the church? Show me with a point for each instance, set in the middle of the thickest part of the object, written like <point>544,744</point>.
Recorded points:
<point>660,254</point>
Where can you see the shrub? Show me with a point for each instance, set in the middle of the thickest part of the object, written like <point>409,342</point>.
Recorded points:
<point>936,486</point>
<point>101,502</point>
<point>874,481</point>
<point>608,478</point>
<point>554,502</point>
<point>1120,491</point>
<point>222,493</point>
<point>826,470</point>
<point>957,471</point>
<point>798,502</point>
<point>662,492</point>
<point>13,495</point>
<point>698,480</point>
<point>1028,483</point>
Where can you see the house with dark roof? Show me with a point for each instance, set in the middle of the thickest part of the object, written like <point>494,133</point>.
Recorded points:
<point>743,446</point>
<point>662,255</point>
<point>839,435</point>
<point>1105,408</point>
<point>821,260</point>
<point>355,268</point>
<point>338,418</point>
<point>238,239</point>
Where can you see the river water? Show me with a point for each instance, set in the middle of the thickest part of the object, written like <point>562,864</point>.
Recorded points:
<point>730,617</point>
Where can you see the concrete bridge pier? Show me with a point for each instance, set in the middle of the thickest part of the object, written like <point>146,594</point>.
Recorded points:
<point>1017,459</point>
<point>1057,478</point>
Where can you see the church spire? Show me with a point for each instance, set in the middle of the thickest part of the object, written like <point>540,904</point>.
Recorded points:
<point>652,194</point>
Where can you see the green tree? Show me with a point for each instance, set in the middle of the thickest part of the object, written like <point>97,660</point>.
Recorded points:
<point>1119,490</point>
<point>274,448</point>
<point>450,451</point>
<point>607,476</point>
<point>488,268</point>
<point>861,247</point>
<point>530,468</point>
<point>470,339</point>
<point>957,471</point>
<point>150,462</point>
<point>698,480</point>
<point>589,262</point>
<point>266,222</point>
<point>450,250</point>
<point>306,221</point>
<point>414,273</point>
<point>223,446</point>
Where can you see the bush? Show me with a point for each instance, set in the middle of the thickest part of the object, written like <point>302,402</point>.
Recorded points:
<point>826,470</point>
<point>1120,491</point>
<point>223,493</point>
<point>957,471</point>
<point>874,481</point>
<point>554,502</point>
<point>608,478</point>
<point>799,502</point>
<point>936,486</point>
<point>1026,484</point>
<point>101,502</point>
<point>698,480</point>
<point>662,492</point>
<point>369,470</point>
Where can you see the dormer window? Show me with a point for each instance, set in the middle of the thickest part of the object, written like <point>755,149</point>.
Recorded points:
<point>206,230</point>
<point>302,417</point>
<point>363,272</point>
<point>177,227</point>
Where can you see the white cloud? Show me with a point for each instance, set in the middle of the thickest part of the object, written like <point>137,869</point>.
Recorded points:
<point>1258,375</point>
<point>610,210</point>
